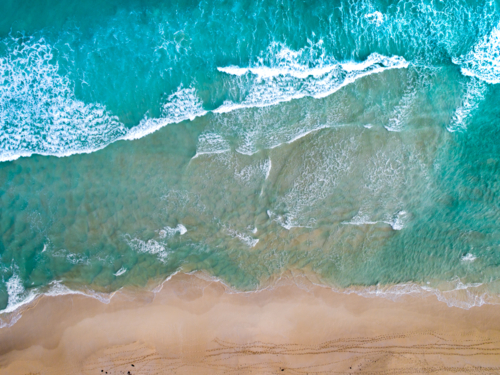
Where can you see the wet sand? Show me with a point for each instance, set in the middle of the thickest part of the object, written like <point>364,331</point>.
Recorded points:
<point>198,326</point>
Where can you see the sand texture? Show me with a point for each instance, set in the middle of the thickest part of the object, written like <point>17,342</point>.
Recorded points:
<point>197,326</point>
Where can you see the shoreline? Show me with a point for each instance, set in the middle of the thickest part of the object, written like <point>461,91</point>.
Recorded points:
<point>458,296</point>
<point>191,324</point>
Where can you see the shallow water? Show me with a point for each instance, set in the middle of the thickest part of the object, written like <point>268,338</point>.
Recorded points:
<point>354,140</point>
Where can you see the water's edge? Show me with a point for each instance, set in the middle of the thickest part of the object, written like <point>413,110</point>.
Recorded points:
<point>463,296</point>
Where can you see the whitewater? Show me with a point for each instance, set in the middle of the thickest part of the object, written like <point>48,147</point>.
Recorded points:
<point>356,143</point>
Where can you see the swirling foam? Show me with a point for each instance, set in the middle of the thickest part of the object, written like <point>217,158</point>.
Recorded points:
<point>474,93</point>
<point>157,247</point>
<point>182,105</point>
<point>284,74</point>
<point>39,112</point>
<point>483,61</point>
<point>18,297</point>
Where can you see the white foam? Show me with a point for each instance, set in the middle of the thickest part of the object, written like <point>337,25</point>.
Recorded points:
<point>460,294</point>
<point>360,219</point>
<point>19,297</point>
<point>374,59</point>
<point>266,135</point>
<point>292,75</point>
<point>401,112</point>
<point>247,240</point>
<point>76,259</point>
<point>72,258</point>
<point>304,134</point>
<point>474,93</point>
<point>182,105</point>
<point>375,18</point>
<point>397,222</point>
<point>211,143</point>
<point>268,165</point>
<point>121,271</point>
<point>158,246</point>
<point>57,288</point>
<point>168,232</point>
<point>483,61</point>
<point>317,174</point>
<point>233,70</point>
<point>268,72</point>
<point>39,112</point>
<point>47,119</point>
<point>279,60</point>
<point>151,247</point>
<point>469,258</point>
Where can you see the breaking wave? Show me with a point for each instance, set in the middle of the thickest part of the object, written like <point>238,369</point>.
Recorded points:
<point>40,114</point>
<point>483,61</point>
<point>286,74</point>
<point>18,297</point>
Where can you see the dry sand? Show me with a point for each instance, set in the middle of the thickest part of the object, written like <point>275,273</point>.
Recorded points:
<point>196,326</point>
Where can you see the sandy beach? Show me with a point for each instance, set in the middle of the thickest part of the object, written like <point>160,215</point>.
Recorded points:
<point>197,326</point>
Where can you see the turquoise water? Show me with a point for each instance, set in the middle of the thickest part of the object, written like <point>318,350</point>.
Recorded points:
<point>355,140</point>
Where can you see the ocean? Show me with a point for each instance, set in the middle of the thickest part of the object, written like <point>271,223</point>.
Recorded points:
<point>356,141</point>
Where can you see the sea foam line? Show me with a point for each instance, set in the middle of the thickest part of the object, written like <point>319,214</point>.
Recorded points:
<point>39,112</point>
<point>483,61</point>
<point>392,292</point>
<point>274,85</point>
<point>71,133</point>
<point>13,311</point>
<point>16,302</point>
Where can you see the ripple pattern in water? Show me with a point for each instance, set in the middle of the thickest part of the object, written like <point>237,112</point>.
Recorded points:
<point>357,141</point>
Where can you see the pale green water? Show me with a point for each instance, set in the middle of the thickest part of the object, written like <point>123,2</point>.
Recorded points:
<point>358,141</point>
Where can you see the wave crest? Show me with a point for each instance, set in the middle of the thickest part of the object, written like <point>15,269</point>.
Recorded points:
<point>284,74</point>
<point>483,61</point>
<point>39,112</point>
<point>182,105</point>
